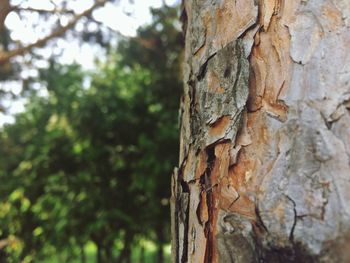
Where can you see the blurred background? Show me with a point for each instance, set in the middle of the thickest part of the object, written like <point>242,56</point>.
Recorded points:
<point>89,98</point>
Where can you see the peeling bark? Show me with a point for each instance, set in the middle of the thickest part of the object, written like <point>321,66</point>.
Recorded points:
<point>264,170</point>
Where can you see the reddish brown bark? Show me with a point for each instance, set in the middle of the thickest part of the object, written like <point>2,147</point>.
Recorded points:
<point>264,172</point>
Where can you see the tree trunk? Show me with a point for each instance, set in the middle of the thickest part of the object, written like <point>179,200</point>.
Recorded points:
<point>160,244</point>
<point>264,170</point>
<point>82,253</point>
<point>160,254</point>
<point>99,255</point>
<point>125,254</point>
<point>108,252</point>
<point>142,254</point>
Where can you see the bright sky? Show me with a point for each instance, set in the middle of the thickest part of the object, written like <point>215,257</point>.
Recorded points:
<point>113,15</point>
<point>125,18</point>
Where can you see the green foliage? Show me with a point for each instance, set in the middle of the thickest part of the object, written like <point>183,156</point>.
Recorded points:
<point>93,164</point>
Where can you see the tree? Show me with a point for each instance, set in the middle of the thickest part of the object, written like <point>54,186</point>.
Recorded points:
<point>59,9</point>
<point>50,20</point>
<point>264,158</point>
<point>90,163</point>
<point>158,47</point>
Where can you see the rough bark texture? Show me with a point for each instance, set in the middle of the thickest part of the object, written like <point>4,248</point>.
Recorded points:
<point>264,171</point>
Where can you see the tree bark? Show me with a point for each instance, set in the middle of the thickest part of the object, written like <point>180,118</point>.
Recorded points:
<point>264,173</point>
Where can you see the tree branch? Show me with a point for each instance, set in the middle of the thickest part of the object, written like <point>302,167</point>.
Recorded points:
<point>5,9</point>
<point>42,11</point>
<point>6,56</point>
<point>3,243</point>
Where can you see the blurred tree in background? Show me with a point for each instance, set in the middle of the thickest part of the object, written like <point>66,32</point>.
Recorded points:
<point>33,31</point>
<point>59,17</point>
<point>91,161</point>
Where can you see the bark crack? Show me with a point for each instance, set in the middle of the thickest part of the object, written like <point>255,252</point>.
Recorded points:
<point>209,195</point>
<point>203,69</point>
<point>291,235</point>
